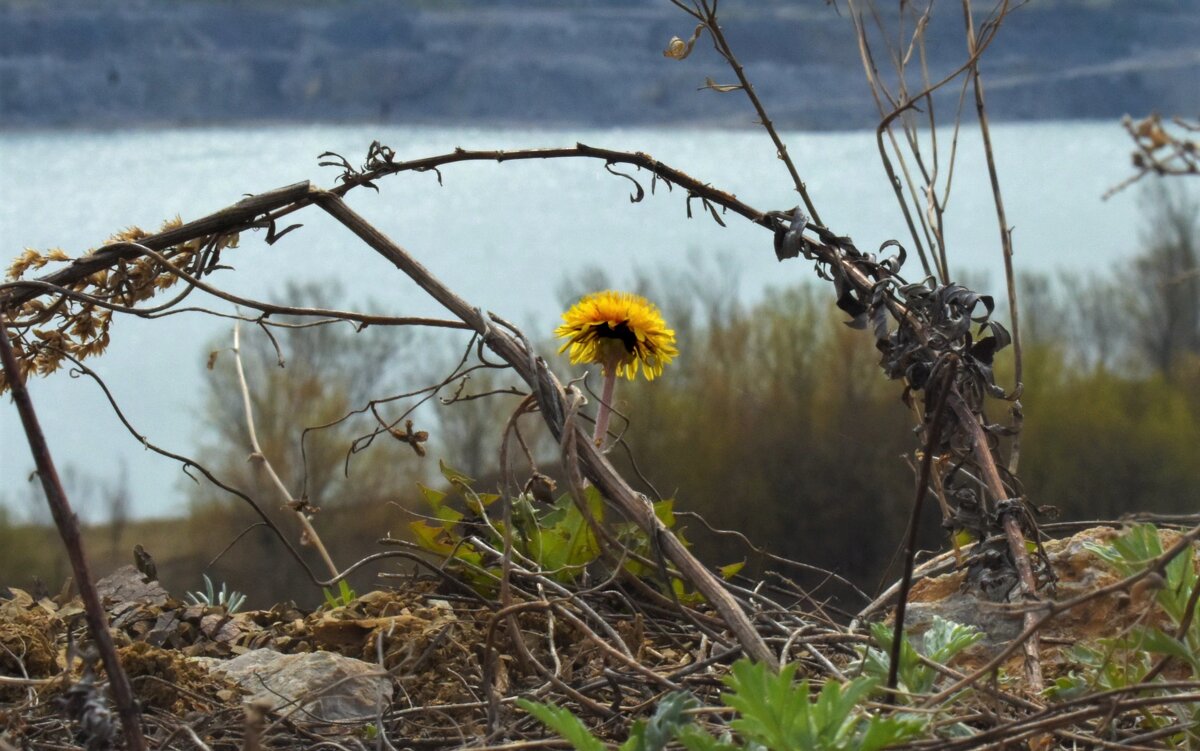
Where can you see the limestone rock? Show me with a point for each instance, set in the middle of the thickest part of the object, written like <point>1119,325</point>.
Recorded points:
<point>1077,569</point>
<point>326,686</point>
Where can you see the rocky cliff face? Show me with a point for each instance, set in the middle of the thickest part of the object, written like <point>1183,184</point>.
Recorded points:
<point>121,63</point>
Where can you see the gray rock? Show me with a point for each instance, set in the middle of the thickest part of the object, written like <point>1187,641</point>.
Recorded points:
<point>326,686</point>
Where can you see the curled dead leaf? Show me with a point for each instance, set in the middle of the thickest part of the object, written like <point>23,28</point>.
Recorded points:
<point>677,49</point>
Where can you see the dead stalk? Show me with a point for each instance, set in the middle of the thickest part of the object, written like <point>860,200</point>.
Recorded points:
<point>934,427</point>
<point>257,456</point>
<point>1006,244</point>
<point>1014,535</point>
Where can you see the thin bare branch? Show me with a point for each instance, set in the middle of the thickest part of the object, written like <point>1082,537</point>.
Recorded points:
<point>68,529</point>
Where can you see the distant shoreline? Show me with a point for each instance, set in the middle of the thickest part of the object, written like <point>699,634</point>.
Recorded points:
<point>498,126</point>
<point>128,64</point>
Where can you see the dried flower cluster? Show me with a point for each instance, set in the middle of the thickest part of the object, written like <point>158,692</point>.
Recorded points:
<point>75,320</point>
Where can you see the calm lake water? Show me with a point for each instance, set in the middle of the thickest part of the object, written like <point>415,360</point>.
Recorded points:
<point>503,236</point>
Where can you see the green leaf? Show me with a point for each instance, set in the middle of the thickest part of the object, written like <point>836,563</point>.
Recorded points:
<point>941,642</point>
<point>944,639</point>
<point>479,502</point>
<point>448,516</point>
<point>344,596</point>
<point>567,540</point>
<point>1131,552</point>
<point>453,476</point>
<point>887,731</point>
<point>567,725</point>
<point>433,539</point>
<point>914,677</point>
<point>433,497</point>
<point>683,594</point>
<point>731,570</point>
<point>834,710</point>
<point>1159,642</point>
<point>437,505</point>
<point>778,714</point>
<point>665,511</point>
<point>1068,687</point>
<point>666,722</point>
<point>694,739</point>
<point>772,712</point>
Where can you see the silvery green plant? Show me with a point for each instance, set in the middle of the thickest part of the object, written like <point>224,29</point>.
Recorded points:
<point>940,643</point>
<point>231,600</point>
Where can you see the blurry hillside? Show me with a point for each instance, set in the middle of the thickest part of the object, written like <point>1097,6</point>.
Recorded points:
<point>126,63</point>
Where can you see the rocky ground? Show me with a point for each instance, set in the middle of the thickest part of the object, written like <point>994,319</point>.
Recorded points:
<point>431,664</point>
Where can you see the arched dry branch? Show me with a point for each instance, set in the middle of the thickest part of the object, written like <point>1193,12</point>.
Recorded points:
<point>868,289</point>
<point>936,336</point>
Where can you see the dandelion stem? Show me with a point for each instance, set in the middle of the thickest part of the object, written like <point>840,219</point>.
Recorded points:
<point>606,397</point>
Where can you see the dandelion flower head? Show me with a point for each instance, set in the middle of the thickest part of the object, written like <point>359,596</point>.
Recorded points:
<point>618,330</point>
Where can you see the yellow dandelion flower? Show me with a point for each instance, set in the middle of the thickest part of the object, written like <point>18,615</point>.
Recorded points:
<point>620,331</point>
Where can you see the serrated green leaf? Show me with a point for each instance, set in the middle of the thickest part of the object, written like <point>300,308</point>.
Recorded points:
<point>945,638</point>
<point>1132,551</point>
<point>771,711</point>
<point>566,724</point>
<point>665,724</point>
<point>776,713</point>
<point>881,732</point>
<point>694,739</point>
